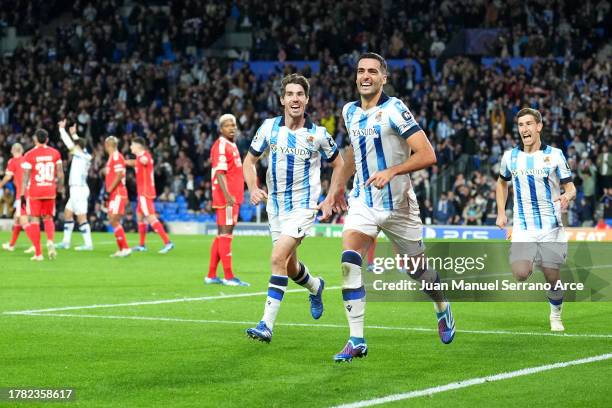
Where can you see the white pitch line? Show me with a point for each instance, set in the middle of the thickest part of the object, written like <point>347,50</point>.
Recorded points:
<point>316,325</point>
<point>474,381</point>
<point>152,302</point>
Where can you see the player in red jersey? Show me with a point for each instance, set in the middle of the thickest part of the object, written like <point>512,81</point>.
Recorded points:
<point>145,184</point>
<point>42,166</point>
<point>227,193</point>
<point>14,171</point>
<point>116,194</point>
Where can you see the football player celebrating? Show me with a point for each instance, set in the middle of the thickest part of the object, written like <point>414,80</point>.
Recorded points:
<point>387,145</point>
<point>537,172</point>
<point>296,147</point>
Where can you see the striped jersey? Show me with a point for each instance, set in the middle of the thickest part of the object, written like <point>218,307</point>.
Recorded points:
<point>378,136</point>
<point>294,164</point>
<point>79,168</point>
<point>537,178</point>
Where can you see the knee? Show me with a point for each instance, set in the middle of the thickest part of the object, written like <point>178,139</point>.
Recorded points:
<point>278,260</point>
<point>521,275</point>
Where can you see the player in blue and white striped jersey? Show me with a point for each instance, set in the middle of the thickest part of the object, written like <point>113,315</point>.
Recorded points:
<point>295,147</point>
<point>537,172</point>
<point>79,190</point>
<point>387,144</point>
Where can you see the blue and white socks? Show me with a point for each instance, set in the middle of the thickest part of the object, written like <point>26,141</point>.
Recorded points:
<point>353,293</point>
<point>306,280</point>
<point>276,291</point>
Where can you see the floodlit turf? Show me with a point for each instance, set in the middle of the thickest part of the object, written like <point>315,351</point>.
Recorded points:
<point>195,353</point>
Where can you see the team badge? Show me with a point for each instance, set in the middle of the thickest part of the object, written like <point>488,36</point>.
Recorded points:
<point>378,116</point>
<point>546,160</point>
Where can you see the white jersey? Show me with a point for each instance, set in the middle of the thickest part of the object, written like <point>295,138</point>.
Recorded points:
<point>378,136</point>
<point>537,178</point>
<point>294,164</point>
<point>79,168</point>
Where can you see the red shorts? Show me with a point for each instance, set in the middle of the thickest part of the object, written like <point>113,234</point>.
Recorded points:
<point>228,215</point>
<point>116,204</point>
<point>40,208</point>
<point>20,207</point>
<point>146,206</point>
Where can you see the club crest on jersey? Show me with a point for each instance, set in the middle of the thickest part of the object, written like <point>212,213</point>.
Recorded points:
<point>546,160</point>
<point>310,140</point>
<point>378,116</point>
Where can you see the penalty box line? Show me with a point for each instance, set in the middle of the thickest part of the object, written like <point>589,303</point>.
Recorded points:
<point>474,381</point>
<point>319,325</point>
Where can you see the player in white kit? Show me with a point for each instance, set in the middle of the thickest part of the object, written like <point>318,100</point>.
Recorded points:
<point>79,190</point>
<point>296,148</point>
<point>537,172</point>
<point>387,145</point>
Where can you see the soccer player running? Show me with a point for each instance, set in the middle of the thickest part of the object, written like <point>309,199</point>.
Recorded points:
<point>79,190</point>
<point>296,146</point>
<point>387,145</point>
<point>44,174</point>
<point>227,193</point>
<point>537,171</point>
<point>116,194</point>
<point>14,171</point>
<point>145,184</point>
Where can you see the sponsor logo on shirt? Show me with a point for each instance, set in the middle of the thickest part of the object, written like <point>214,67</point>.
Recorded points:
<point>293,151</point>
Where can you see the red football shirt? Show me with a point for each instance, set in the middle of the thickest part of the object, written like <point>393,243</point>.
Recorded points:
<point>145,183</point>
<point>14,169</point>
<point>226,159</point>
<point>114,165</point>
<point>42,161</point>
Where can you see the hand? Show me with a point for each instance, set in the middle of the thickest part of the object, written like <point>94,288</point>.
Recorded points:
<point>563,201</point>
<point>258,195</point>
<point>62,124</point>
<point>333,203</point>
<point>72,129</point>
<point>380,178</point>
<point>230,201</point>
<point>501,221</point>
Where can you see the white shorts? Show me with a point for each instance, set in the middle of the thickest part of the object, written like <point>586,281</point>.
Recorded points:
<point>79,199</point>
<point>403,226</point>
<point>546,248</point>
<point>297,223</point>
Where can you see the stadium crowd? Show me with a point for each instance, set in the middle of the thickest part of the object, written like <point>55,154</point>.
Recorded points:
<point>142,75</point>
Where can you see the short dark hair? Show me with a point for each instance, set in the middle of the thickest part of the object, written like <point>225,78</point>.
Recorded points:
<point>377,57</point>
<point>529,111</point>
<point>295,79</point>
<point>140,140</point>
<point>41,136</point>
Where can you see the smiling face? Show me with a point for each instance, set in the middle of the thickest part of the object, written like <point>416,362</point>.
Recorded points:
<point>370,77</point>
<point>294,101</point>
<point>529,129</point>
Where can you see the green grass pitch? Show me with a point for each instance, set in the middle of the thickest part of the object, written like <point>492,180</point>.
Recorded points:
<point>195,353</point>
